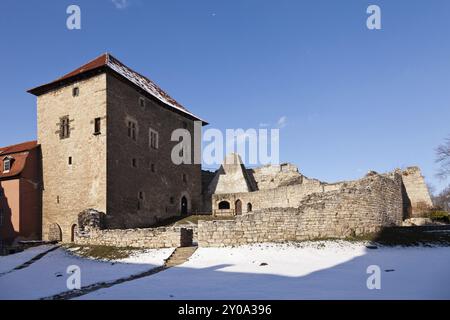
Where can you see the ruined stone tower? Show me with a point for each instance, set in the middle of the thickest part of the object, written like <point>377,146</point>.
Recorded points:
<point>105,132</point>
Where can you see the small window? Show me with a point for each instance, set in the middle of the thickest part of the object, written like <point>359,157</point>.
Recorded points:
<point>64,127</point>
<point>154,139</point>
<point>70,161</point>
<point>142,102</point>
<point>134,163</point>
<point>75,92</point>
<point>172,200</point>
<point>132,130</point>
<point>97,126</point>
<point>184,178</point>
<point>141,195</point>
<point>224,205</point>
<point>57,199</point>
<point>6,164</point>
<point>152,167</point>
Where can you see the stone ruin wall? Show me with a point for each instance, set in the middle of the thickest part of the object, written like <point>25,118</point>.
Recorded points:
<point>151,238</point>
<point>356,208</point>
<point>91,232</point>
<point>274,176</point>
<point>289,196</point>
<point>283,186</point>
<point>417,192</point>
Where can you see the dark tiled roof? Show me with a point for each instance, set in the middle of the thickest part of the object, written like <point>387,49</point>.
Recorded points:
<point>108,61</point>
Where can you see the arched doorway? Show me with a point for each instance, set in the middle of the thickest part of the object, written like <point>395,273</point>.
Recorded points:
<point>224,205</point>
<point>54,232</point>
<point>184,206</point>
<point>73,231</point>
<point>249,207</point>
<point>238,207</point>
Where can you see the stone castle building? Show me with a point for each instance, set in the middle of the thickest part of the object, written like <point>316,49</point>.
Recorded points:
<point>105,132</point>
<point>105,135</point>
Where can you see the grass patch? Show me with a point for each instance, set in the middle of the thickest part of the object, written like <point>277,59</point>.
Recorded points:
<point>101,252</point>
<point>439,216</point>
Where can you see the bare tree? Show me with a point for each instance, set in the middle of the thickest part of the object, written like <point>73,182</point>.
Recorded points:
<point>442,200</point>
<point>443,158</point>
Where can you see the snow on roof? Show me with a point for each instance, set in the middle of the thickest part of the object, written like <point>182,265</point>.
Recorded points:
<point>107,60</point>
<point>145,84</point>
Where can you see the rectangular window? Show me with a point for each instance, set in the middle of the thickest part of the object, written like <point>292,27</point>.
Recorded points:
<point>75,92</point>
<point>132,130</point>
<point>70,161</point>
<point>6,165</point>
<point>97,126</point>
<point>64,127</point>
<point>134,163</point>
<point>142,102</point>
<point>154,139</point>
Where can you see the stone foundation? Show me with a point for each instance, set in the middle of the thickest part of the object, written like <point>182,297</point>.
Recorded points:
<point>153,238</point>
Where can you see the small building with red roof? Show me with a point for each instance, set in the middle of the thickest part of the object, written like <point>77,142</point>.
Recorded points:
<point>20,193</point>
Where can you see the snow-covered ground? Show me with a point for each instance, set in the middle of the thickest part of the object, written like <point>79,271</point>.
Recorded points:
<point>8,263</point>
<point>332,270</point>
<point>48,276</point>
<point>317,270</point>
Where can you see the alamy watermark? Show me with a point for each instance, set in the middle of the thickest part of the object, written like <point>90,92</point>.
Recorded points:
<point>255,146</point>
<point>374,20</point>
<point>73,21</point>
<point>374,280</point>
<point>73,282</point>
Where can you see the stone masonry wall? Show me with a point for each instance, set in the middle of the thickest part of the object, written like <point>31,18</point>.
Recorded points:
<point>282,197</point>
<point>151,238</point>
<point>356,208</point>
<point>71,188</point>
<point>417,191</point>
<point>160,183</point>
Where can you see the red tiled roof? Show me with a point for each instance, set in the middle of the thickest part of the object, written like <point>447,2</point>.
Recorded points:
<point>19,153</point>
<point>108,61</point>
<point>24,146</point>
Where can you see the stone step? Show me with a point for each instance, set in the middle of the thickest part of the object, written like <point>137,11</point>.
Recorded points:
<point>180,256</point>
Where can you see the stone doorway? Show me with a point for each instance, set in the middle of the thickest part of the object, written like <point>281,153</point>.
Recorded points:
<point>238,207</point>
<point>184,206</point>
<point>73,232</point>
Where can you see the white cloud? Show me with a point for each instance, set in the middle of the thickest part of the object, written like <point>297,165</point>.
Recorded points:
<point>121,4</point>
<point>282,122</point>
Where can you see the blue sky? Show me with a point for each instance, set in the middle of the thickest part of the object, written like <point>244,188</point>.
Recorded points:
<point>353,99</point>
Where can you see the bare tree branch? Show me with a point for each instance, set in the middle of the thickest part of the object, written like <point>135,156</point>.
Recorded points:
<point>443,158</point>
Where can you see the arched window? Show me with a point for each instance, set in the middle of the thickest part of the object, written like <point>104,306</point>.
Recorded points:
<point>224,205</point>
<point>249,207</point>
<point>238,207</point>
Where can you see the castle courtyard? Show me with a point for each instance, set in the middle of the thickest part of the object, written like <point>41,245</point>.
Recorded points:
<point>310,270</point>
